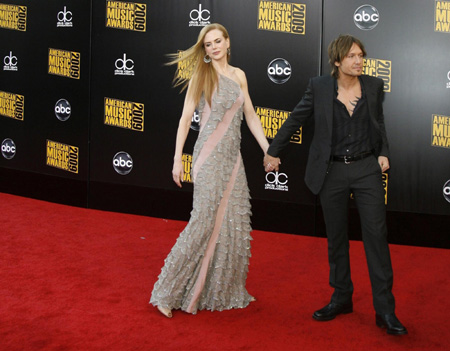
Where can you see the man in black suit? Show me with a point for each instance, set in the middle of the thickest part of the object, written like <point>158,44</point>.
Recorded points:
<point>348,154</point>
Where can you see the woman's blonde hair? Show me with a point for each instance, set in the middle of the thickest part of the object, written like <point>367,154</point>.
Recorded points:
<point>201,76</point>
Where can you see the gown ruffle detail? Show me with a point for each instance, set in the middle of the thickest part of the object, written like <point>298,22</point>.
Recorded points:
<point>219,167</point>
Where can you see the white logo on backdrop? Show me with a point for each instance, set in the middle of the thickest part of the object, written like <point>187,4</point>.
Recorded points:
<point>64,18</point>
<point>8,149</point>
<point>366,17</point>
<point>63,110</point>
<point>195,121</point>
<point>199,17</point>
<point>124,66</point>
<point>446,190</point>
<point>122,163</point>
<point>279,71</point>
<point>276,181</point>
<point>10,62</point>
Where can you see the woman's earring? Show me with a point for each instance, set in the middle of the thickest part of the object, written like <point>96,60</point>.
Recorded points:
<point>207,59</point>
<point>228,51</point>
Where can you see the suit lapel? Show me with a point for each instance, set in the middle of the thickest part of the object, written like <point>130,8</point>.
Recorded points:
<point>371,95</point>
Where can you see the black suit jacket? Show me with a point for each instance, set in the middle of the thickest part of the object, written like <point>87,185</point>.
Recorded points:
<point>317,103</point>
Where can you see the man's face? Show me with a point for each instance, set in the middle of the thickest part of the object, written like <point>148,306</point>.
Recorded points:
<point>352,64</point>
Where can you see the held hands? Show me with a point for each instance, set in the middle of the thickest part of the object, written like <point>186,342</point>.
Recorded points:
<point>177,172</point>
<point>271,163</point>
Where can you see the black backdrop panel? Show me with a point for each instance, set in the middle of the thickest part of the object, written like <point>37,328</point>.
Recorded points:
<point>417,90</point>
<point>151,150</point>
<point>122,49</point>
<point>64,26</point>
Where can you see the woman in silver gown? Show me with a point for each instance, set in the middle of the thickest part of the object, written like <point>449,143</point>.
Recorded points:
<point>207,267</point>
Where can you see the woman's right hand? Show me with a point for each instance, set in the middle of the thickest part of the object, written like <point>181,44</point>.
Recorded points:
<point>177,172</point>
<point>271,163</point>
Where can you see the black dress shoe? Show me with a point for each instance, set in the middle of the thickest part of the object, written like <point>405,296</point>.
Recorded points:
<point>390,322</point>
<point>331,310</point>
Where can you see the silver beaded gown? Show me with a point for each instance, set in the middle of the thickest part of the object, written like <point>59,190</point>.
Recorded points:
<point>207,267</point>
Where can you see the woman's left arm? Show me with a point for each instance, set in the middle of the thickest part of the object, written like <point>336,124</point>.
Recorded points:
<point>253,121</point>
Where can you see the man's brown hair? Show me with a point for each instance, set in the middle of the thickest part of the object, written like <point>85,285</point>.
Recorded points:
<point>339,48</point>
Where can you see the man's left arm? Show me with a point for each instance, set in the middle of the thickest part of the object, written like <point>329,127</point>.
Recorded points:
<point>383,158</point>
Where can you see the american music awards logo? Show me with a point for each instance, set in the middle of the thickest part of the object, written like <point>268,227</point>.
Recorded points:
<point>126,15</point>
<point>282,17</point>
<point>13,17</point>
<point>379,68</point>
<point>187,167</point>
<point>62,156</point>
<point>442,16</point>
<point>64,63</point>
<point>124,114</point>
<point>440,134</point>
<point>12,105</point>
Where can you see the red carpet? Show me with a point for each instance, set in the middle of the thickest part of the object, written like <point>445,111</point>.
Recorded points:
<point>78,279</point>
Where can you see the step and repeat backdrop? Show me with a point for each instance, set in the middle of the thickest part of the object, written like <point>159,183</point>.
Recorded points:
<point>408,46</point>
<point>135,110</point>
<point>85,93</point>
<point>44,87</point>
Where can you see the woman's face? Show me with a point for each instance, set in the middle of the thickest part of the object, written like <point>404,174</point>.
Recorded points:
<point>216,45</point>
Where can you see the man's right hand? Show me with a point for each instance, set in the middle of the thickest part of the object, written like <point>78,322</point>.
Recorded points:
<point>271,163</point>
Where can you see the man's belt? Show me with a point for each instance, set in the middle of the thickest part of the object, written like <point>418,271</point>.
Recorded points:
<point>350,159</point>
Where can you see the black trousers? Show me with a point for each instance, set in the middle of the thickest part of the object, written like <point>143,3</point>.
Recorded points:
<point>364,179</point>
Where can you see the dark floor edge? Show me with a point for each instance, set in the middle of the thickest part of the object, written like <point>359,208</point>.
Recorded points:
<point>290,218</point>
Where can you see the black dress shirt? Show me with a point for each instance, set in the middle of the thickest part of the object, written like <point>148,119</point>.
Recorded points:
<point>351,134</point>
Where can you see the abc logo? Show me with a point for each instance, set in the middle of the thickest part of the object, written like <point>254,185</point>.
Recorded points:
<point>195,122</point>
<point>8,149</point>
<point>62,110</point>
<point>276,178</point>
<point>446,190</point>
<point>125,64</point>
<point>200,15</point>
<point>366,17</point>
<point>279,71</point>
<point>122,163</point>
